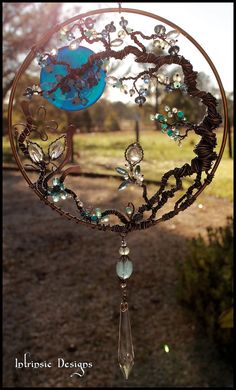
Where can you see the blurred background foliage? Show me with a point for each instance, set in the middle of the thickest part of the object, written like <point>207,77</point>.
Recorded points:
<point>206,284</point>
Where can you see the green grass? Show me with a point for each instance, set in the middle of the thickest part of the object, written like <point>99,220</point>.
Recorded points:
<point>102,152</point>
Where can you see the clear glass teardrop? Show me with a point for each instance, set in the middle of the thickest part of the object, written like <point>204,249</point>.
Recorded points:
<point>125,345</point>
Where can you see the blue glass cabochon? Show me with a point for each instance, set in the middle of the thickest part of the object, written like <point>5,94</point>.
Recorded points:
<point>75,58</point>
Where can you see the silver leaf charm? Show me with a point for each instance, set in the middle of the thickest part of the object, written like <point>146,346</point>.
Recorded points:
<point>121,171</point>
<point>35,152</point>
<point>123,185</point>
<point>56,148</point>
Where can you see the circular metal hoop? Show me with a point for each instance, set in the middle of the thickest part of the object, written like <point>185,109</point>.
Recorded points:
<point>44,41</point>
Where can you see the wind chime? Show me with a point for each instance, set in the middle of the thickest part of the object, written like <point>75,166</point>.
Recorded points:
<point>73,77</point>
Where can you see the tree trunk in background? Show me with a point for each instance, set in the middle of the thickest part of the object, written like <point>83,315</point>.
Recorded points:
<point>72,147</point>
<point>230,140</point>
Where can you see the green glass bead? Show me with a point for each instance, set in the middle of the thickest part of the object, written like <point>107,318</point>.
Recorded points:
<point>164,126</point>
<point>170,133</point>
<point>160,117</point>
<point>124,268</point>
<point>85,213</point>
<point>94,217</point>
<point>180,114</point>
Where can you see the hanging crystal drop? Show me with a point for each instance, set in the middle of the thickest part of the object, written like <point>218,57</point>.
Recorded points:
<point>134,153</point>
<point>125,345</point>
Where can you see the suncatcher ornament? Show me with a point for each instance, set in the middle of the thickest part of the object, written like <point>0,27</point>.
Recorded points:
<point>73,77</point>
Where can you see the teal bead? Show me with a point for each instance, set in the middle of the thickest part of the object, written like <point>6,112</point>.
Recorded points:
<point>170,133</point>
<point>180,114</point>
<point>124,268</point>
<point>164,126</point>
<point>160,117</point>
<point>94,217</point>
<point>85,213</point>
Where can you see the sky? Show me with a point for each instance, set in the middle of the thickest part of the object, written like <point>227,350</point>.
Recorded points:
<point>210,24</point>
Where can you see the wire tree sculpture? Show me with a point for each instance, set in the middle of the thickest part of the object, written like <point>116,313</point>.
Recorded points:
<point>73,77</point>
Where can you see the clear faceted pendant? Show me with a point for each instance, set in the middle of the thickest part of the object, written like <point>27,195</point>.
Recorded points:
<point>125,345</point>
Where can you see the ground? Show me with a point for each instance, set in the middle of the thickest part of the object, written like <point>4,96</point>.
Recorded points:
<point>61,296</point>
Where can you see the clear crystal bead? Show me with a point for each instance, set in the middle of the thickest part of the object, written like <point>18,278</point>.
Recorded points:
<point>134,153</point>
<point>125,345</point>
<point>56,148</point>
<point>35,152</point>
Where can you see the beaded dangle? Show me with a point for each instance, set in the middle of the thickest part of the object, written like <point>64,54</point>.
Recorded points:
<point>124,269</point>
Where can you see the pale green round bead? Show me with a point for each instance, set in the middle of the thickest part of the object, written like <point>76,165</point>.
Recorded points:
<point>98,212</point>
<point>124,268</point>
<point>63,195</point>
<point>105,219</point>
<point>56,198</point>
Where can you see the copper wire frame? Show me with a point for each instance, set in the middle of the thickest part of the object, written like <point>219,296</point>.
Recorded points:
<point>41,43</point>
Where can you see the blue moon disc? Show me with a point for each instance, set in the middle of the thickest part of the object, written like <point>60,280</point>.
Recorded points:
<point>76,94</point>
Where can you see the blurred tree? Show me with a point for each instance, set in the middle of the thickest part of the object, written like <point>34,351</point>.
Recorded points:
<point>23,22</point>
<point>86,121</point>
<point>98,114</point>
<point>111,123</point>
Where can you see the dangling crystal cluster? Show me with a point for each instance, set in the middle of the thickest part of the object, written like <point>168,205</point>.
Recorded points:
<point>172,83</point>
<point>124,269</point>
<point>94,215</point>
<point>166,39</point>
<point>57,191</point>
<point>132,172</point>
<point>171,130</point>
